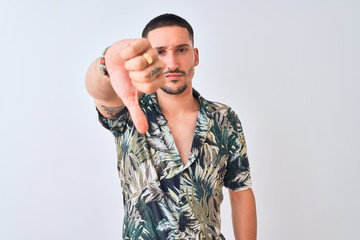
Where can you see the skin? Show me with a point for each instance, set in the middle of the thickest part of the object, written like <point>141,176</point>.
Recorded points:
<point>243,212</point>
<point>176,100</point>
<point>170,75</point>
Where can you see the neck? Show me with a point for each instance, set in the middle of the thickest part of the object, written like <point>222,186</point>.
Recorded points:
<point>179,103</point>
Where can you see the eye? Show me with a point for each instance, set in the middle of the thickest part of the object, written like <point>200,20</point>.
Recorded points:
<point>161,52</point>
<point>182,50</point>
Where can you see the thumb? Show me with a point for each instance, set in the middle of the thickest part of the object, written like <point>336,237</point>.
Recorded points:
<point>130,96</point>
<point>137,115</point>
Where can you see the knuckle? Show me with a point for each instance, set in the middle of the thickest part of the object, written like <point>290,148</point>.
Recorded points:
<point>146,75</point>
<point>127,65</point>
<point>137,64</point>
<point>139,76</point>
<point>134,64</point>
<point>153,53</point>
<point>145,42</point>
<point>132,50</point>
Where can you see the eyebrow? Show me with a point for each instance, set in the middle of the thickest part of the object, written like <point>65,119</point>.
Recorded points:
<point>177,46</point>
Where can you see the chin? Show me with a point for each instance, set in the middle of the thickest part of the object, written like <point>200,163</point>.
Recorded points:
<point>176,90</point>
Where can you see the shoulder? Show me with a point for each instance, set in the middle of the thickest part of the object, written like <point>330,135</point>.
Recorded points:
<point>218,108</point>
<point>222,112</point>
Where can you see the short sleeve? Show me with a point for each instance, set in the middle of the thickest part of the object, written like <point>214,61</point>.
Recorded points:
<point>116,126</point>
<point>237,177</point>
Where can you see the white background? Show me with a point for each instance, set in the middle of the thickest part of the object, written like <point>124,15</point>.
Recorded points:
<point>290,69</point>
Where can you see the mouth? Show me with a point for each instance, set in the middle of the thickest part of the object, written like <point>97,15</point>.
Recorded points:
<point>173,76</point>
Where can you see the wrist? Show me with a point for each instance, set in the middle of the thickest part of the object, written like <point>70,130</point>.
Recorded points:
<point>103,69</point>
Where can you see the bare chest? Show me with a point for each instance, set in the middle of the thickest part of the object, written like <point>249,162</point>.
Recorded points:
<point>183,133</point>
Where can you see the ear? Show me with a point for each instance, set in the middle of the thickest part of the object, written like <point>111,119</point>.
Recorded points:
<point>196,55</point>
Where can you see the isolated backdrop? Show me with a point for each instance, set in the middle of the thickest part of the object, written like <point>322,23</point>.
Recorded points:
<point>290,69</point>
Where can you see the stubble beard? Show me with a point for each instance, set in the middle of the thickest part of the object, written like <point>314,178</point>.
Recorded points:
<point>176,91</point>
<point>181,88</point>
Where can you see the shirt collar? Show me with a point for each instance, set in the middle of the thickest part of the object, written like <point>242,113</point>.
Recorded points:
<point>204,104</point>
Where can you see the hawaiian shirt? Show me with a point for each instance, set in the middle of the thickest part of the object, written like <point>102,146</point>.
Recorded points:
<point>165,199</point>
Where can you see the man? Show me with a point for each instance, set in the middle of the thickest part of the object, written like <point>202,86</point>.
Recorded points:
<point>175,149</point>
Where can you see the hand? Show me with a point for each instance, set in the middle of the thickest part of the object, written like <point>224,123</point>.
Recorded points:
<point>130,74</point>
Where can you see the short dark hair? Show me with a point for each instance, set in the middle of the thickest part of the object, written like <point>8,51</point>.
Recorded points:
<point>167,20</point>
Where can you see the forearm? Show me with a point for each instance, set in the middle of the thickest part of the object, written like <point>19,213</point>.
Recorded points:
<point>99,86</point>
<point>244,215</point>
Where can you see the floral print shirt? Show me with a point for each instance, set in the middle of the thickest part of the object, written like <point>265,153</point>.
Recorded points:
<point>165,199</point>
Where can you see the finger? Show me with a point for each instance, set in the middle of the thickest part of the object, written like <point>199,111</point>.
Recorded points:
<point>135,48</point>
<point>112,57</point>
<point>150,87</point>
<point>139,62</point>
<point>148,74</point>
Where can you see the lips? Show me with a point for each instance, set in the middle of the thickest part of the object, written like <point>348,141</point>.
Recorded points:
<point>173,76</point>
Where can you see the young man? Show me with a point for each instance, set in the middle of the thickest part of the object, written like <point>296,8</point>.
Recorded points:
<point>175,149</point>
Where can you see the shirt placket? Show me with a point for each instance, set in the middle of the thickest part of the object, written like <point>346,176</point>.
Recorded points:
<point>201,130</point>
<point>202,126</point>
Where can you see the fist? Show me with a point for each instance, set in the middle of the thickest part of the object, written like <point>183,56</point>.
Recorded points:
<point>134,67</point>
<point>144,66</point>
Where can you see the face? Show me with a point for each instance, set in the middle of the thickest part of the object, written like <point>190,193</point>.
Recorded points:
<point>176,50</point>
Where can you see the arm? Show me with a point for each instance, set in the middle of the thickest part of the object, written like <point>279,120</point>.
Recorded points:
<point>100,88</point>
<point>131,73</point>
<point>243,211</point>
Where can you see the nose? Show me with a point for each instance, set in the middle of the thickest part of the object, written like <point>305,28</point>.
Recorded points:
<point>171,61</point>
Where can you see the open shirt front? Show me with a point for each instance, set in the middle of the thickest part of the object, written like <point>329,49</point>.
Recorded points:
<point>165,199</point>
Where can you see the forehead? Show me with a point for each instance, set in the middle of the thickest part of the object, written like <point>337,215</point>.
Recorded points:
<point>169,36</point>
